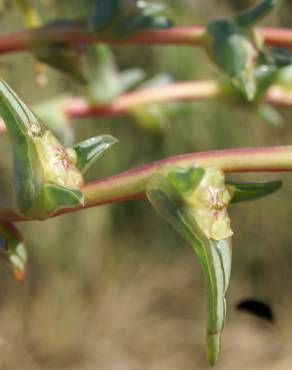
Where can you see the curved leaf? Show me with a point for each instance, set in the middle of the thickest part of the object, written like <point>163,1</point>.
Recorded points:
<point>247,191</point>
<point>214,255</point>
<point>90,150</point>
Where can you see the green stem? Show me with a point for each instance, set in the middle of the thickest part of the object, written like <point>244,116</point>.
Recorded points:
<point>131,184</point>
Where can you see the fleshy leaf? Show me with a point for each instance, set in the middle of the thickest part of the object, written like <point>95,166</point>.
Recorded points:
<point>13,250</point>
<point>39,160</point>
<point>270,115</point>
<point>234,47</point>
<point>184,208</point>
<point>118,18</point>
<point>89,150</point>
<point>105,82</point>
<point>248,191</point>
<point>252,16</point>
<point>234,53</point>
<point>62,57</point>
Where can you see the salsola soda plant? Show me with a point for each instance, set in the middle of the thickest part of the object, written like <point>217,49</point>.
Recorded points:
<point>189,191</point>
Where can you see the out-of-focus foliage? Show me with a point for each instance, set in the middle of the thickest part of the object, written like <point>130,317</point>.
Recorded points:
<point>114,287</point>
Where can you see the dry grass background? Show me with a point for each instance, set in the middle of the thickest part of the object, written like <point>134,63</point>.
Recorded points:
<point>114,288</point>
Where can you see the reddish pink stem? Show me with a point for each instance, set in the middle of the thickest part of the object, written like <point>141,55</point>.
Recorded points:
<point>80,107</point>
<point>78,34</point>
<point>178,91</point>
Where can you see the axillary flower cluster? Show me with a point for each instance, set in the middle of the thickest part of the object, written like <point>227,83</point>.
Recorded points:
<point>208,204</point>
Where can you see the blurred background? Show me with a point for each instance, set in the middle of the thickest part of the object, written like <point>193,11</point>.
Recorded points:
<point>115,287</point>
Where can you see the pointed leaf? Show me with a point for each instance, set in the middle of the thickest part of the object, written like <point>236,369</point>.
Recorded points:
<point>254,15</point>
<point>248,191</point>
<point>90,150</point>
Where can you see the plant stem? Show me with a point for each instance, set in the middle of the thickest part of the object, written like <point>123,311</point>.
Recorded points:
<point>178,91</point>
<point>131,184</point>
<point>77,34</point>
<point>80,107</point>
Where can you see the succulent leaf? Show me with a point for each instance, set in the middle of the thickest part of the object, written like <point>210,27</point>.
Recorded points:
<point>198,212</point>
<point>90,150</point>
<point>234,47</point>
<point>247,191</point>
<point>40,161</point>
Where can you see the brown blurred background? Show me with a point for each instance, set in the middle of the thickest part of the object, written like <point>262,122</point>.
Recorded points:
<point>115,288</point>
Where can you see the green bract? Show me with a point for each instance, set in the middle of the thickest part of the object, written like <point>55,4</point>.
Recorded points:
<point>194,202</point>
<point>47,175</point>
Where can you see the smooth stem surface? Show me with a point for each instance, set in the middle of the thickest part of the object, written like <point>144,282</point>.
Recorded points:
<point>78,34</point>
<point>195,90</point>
<point>178,91</point>
<point>131,184</point>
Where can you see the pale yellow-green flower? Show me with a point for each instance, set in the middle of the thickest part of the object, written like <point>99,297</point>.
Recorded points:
<point>208,205</point>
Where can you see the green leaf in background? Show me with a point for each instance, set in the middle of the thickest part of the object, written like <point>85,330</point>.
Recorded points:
<point>284,78</point>
<point>234,48</point>
<point>105,82</point>
<point>63,57</point>
<point>155,116</point>
<point>234,53</point>
<point>13,250</point>
<point>270,115</point>
<point>152,117</point>
<point>194,202</point>
<point>39,161</point>
<point>90,150</point>
<point>119,18</point>
<point>248,191</point>
<point>251,17</point>
<point>52,112</point>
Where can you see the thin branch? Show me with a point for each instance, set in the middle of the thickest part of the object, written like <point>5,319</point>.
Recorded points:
<point>131,184</point>
<point>195,90</point>
<point>79,107</point>
<point>178,91</point>
<point>78,34</point>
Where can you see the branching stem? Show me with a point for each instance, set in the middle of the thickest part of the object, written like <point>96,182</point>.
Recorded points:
<point>131,184</point>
